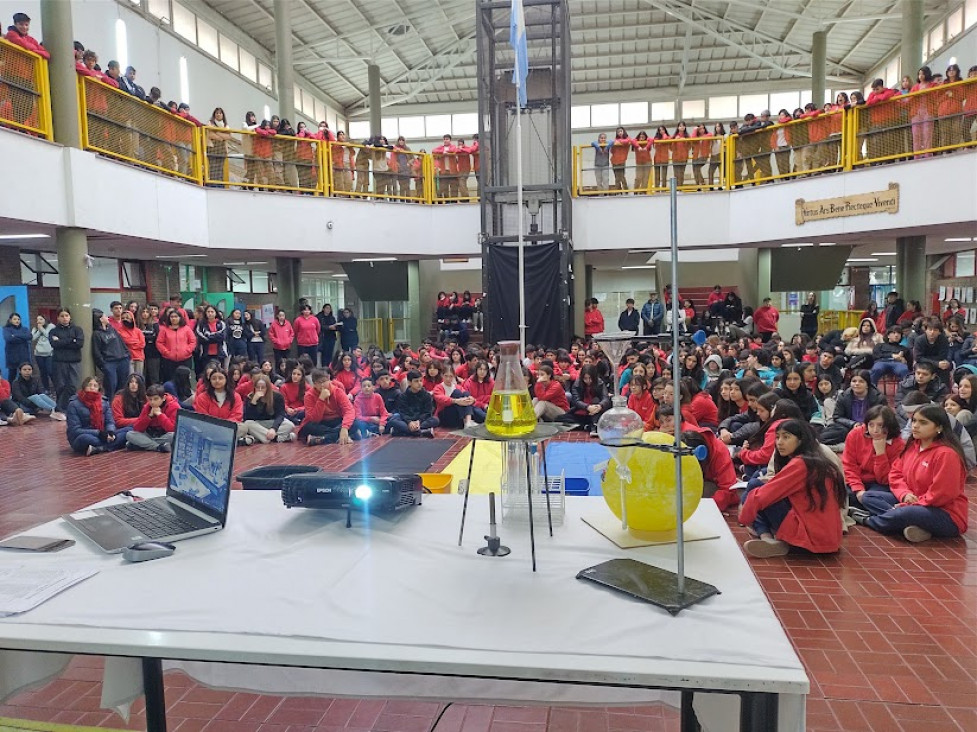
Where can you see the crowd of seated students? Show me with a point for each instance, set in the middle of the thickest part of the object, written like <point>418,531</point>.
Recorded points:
<point>773,415</point>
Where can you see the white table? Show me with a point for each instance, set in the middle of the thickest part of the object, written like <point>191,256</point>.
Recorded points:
<point>394,607</point>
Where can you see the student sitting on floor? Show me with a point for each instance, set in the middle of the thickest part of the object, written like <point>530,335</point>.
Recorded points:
<point>927,496</point>
<point>589,399</point>
<point>329,414</point>
<point>28,393</point>
<point>870,451</point>
<point>216,399</point>
<point>389,390</point>
<point>128,402</point>
<point>371,412</point>
<point>480,385</point>
<point>800,505</point>
<point>453,405</point>
<point>549,400</point>
<point>640,399</point>
<point>153,430</point>
<point>415,410</point>
<point>11,412</point>
<point>264,413</point>
<point>88,418</point>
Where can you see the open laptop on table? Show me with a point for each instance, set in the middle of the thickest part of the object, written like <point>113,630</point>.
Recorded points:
<point>197,492</point>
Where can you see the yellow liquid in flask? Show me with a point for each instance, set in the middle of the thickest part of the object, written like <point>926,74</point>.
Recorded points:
<point>510,414</point>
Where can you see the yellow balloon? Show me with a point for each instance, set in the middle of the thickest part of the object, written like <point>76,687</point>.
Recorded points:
<point>650,496</point>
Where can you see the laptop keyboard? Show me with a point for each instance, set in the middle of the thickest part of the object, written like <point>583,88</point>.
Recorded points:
<point>154,522</point>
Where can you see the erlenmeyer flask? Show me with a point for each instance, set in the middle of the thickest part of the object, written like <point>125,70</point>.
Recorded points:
<point>510,411</point>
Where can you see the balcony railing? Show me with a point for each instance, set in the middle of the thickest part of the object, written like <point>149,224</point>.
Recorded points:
<point>25,94</point>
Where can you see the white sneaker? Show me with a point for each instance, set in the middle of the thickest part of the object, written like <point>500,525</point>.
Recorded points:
<point>59,416</point>
<point>27,418</point>
<point>915,534</point>
<point>766,548</point>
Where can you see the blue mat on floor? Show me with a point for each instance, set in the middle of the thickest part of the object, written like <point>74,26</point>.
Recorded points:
<point>577,460</point>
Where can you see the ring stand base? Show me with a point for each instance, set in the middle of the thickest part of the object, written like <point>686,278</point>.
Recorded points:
<point>648,583</point>
<point>494,548</point>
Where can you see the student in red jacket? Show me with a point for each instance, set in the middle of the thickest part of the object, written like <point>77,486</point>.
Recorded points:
<point>718,473</point>
<point>765,320</point>
<point>640,399</point>
<point>128,402</point>
<point>480,385</point>
<point>329,415</point>
<point>293,391</point>
<point>760,447</point>
<point>371,412</point>
<point>19,34</point>
<point>217,400</point>
<point>281,334</point>
<point>883,138</point>
<point>307,329</point>
<point>153,430</point>
<point>549,399</point>
<point>593,319</point>
<point>452,405</point>
<point>176,344</point>
<point>620,149</point>
<point>345,372</point>
<point>927,496</point>
<point>702,406</point>
<point>871,449</point>
<point>800,505</point>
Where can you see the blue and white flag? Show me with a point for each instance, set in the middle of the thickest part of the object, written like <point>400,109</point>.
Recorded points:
<point>517,37</point>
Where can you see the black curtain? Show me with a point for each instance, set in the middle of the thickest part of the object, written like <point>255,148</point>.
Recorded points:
<point>547,288</point>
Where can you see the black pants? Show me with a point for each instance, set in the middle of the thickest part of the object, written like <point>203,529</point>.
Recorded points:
<point>167,368</point>
<point>66,375</point>
<point>256,351</point>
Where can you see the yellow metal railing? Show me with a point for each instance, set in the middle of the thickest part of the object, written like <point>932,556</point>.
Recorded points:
<point>254,160</point>
<point>121,126</point>
<point>838,320</point>
<point>384,173</point>
<point>371,332</point>
<point>698,164</point>
<point>935,120</point>
<point>25,93</point>
<point>452,177</point>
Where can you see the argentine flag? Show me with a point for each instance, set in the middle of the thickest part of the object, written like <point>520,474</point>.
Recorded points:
<point>517,37</point>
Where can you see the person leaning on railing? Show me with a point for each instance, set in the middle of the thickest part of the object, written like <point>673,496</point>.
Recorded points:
<point>883,138</point>
<point>602,160</point>
<point>642,159</point>
<point>305,158</point>
<point>399,164</point>
<point>22,105</point>
<point>619,158</point>
<point>217,146</point>
<point>947,131</point>
<point>342,164</point>
<point>661,156</point>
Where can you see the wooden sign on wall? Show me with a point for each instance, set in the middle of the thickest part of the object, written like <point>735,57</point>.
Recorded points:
<point>858,204</point>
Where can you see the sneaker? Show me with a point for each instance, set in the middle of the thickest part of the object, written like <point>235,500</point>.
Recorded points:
<point>58,416</point>
<point>93,450</point>
<point>3,422</point>
<point>247,440</point>
<point>428,433</point>
<point>314,440</point>
<point>290,437</point>
<point>165,447</point>
<point>858,515</point>
<point>915,534</point>
<point>766,548</point>
<point>27,418</point>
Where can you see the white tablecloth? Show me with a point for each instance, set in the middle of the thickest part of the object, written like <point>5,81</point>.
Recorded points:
<point>402,584</point>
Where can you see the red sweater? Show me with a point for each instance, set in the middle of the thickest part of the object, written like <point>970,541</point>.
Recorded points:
<point>176,345</point>
<point>936,477</point>
<point>862,465</point>
<point>705,410</point>
<point>166,421</point>
<point>818,531</point>
<point>205,405</point>
<point>281,335</point>
<point>370,406</point>
<point>593,322</point>
<point>349,380</point>
<point>4,389</point>
<point>761,455</point>
<point>118,414</point>
<point>290,390</point>
<point>337,406</point>
<point>643,405</point>
<point>307,330</point>
<point>765,319</point>
<point>552,391</point>
<point>442,397</point>
<point>26,41</point>
<point>481,390</point>
<point>718,467</point>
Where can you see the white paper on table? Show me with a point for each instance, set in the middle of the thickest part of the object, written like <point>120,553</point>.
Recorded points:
<point>23,587</point>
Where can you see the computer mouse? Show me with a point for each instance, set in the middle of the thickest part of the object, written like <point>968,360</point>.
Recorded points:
<point>146,550</point>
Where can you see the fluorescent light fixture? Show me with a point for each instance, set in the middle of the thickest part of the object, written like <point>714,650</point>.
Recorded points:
<point>178,256</point>
<point>640,266</point>
<point>256,262</point>
<point>341,276</point>
<point>12,237</point>
<point>800,244</point>
<point>375,259</point>
<point>883,254</point>
<point>959,238</point>
<point>121,45</point>
<point>826,244</point>
<point>317,271</point>
<point>233,264</point>
<point>184,80</point>
<point>862,259</point>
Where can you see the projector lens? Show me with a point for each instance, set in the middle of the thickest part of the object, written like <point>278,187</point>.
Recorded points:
<point>363,492</point>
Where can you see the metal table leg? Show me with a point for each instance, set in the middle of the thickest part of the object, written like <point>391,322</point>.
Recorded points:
<point>529,495</point>
<point>758,712</point>
<point>152,680</point>
<point>468,490</point>
<point>690,723</point>
<point>546,487</point>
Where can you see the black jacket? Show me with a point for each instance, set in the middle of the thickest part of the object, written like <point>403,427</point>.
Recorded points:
<point>886,351</point>
<point>923,350</point>
<point>326,334</point>
<point>67,342</point>
<point>151,333</point>
<point>626,321</point>
<point>390,397</point>
<point>843,406</point>
<point>107,345</point>
<point>258,413</point>
<point>21,391</point>
<point>804,400</point>
<point>415,405</point>
<point>936,390</point>
<point>580,400</point>
<point>809,318</point>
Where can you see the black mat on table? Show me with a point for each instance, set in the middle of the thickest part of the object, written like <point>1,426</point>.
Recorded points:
<point>402,455</point>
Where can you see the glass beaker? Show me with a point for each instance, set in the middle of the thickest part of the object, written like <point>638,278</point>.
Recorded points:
<point>510,411</point>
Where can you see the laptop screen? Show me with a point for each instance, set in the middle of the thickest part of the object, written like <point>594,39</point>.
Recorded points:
<point>202,462</point>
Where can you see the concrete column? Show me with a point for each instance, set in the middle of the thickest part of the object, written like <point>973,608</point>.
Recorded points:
<point>373,76</point>
<point>59,40</point>
<point>289,271</point>
<point>581,292</point>
<point>76,286</point>
<point>819,66</point>
<point>284,65</point>
<point>419,320</point>
<point>911,268</point>
<point>912,38</point>
<point>763,276</point>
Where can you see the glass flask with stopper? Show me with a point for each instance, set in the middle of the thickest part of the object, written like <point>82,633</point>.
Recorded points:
<point>510,412</point>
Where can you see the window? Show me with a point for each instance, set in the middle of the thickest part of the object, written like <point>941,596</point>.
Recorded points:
<point>267,112</point>
<point>320,113</point>
<point>694,109</point>
<point>159,9</point>
<point>184,23</point>
<point>121,44</point>
<point>264,76</point>
<point>604,115</point>
<point>297,98</point>
<point>964,264</point>
<point>892,72</point>
<point>437,125</point>
<point>634,113</point>
<point>754,103</point>
<point>662,111</point>
<point>228,52</point>
<point>248,67</point>
<point>579,117</point>
<point>411,126</point>
<point>784,100</point>
<point>971,12</point>
<point>359,131</point>
<point>389,128</point>
<point>105,273</point>
<point>936,39</point>
<point>184,80</point>
<point>723,108</point>
<point>133,276</point>
<point>207,38</point>
<point>464,124</point>
<point>259,282</point>
<point>954,24</point>
<point>308,103</point>
<point>239,280</point>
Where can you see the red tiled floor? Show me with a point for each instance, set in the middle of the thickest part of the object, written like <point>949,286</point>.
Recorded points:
<point>886,630</point>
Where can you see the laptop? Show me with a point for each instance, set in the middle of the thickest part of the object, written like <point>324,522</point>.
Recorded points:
<point>197,492</point>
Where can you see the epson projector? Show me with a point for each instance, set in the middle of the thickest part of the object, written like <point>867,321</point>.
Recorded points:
<point>373,493</point>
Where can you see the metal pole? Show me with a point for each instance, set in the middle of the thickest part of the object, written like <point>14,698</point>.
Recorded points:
<point>522,251</point>
<point>677,396</point>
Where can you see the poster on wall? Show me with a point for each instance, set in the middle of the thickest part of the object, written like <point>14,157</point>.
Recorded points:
<point>267,313</point>
<point>13,299</point>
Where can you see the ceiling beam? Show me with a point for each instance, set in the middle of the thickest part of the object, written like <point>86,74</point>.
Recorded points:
<point>864,37</point>
<point>771,7</point>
